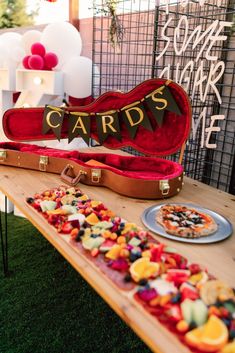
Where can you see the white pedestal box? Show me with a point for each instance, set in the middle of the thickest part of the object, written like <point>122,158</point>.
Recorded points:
<point>38,87</point>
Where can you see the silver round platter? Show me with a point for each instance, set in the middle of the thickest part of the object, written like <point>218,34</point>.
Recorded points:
<point>224,229</point>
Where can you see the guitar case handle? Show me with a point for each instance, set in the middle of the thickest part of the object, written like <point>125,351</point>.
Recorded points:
<point>73,181</point>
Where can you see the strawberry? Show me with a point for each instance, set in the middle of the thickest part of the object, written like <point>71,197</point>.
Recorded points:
<point>194,268</point>
<point>174,313</point>
<point>66,228</point>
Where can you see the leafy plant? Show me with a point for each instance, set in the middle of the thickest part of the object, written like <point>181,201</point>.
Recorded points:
<point>116,29</point>
<point>13,13</point>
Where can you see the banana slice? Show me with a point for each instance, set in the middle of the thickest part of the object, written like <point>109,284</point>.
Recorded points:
<point>214,290</point>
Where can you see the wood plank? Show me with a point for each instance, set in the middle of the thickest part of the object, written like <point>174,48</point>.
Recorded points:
<point>18,184</point>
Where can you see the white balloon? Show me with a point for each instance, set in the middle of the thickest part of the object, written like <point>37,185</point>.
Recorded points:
<point>29,38</point>
<point>63,39</point>
<point>11,39</point>
<point>78,77</point>
<point>4,53</point>
<point>17,54</point>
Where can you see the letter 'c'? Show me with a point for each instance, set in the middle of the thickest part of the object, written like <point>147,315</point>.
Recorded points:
<point>48,117</point>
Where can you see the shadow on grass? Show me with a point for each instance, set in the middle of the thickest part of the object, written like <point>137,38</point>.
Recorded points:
<point>46,307</point>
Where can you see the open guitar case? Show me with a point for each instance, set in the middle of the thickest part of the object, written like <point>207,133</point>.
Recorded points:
<point>149,177</point>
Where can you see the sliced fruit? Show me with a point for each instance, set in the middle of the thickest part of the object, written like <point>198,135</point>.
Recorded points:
<point>120,265</point>
<point>200,312</point>
<point>107,245</point>
<point>92,219</point>
<point>95,203</point>
<point>182,326</point>
<point>163,287</point>
<point>77,217</point>
<point>114,252</point>
<point>215,289</point>
<point>177,276</point>
<point>134,241</point>
<point>66,228</point>
<point>92,243</point>
<point>67,199</point>
<point>143,268</point>
<point>229,348</point>
<point>187,310</point>
<point>83,198</point>
<point>193,337</point>
<point>170,250</point>
<point>103,225</point>
<point>174,313</point>
<point>210,337</point>
<point>188,291</point>
<point>129,227</point>
<point>198,278</point>
<point>69,209</point>
<point>47,205</point>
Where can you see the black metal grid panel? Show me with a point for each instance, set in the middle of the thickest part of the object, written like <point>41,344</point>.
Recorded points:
<point>137,59</point>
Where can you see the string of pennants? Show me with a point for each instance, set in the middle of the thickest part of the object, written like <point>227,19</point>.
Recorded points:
<point>108,123</point>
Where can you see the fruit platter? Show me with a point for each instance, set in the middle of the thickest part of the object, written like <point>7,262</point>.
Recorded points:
<point>191,303</point>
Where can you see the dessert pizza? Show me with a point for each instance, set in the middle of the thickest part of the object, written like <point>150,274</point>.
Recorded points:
<point>183,296</point>
<point>185,222</point>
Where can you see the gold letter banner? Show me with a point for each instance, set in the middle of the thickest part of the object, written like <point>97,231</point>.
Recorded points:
<point>79,124</point>
<point>135,115</point>
<point>108,124</point>
<point>159,101</point>
<point>52,120</point>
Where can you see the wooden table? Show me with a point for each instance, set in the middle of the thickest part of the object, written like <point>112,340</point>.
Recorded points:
<point>219,258</point>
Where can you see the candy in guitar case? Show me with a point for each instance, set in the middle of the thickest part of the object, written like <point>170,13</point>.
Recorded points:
<point>157,134</point>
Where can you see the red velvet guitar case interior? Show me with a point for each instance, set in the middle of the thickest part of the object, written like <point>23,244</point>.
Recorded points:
<point>134,176</point>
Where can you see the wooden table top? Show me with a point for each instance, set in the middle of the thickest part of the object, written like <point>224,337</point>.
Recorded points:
<point>219,258</point>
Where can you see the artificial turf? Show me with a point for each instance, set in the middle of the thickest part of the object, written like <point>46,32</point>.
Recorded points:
<point>46,307</point>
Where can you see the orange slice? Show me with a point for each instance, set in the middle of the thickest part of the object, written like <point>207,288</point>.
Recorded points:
<point>210,337</point>
<point>92,219</point>
<point>229,348</point>
<point>114,252</point>
<point>143,268</point>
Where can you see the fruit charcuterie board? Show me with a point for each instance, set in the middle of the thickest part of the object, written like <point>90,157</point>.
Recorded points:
<point>187,300</point>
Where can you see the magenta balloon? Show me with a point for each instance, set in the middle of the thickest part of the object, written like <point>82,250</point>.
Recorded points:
<point>36,62</point>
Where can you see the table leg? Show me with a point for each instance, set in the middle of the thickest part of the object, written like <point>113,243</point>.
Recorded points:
<point>4,238</point>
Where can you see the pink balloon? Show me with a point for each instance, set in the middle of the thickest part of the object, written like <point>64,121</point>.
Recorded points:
<point>25,62</point>
<point>36,62</point>
<point>51,60</point>
<point>38,49</point>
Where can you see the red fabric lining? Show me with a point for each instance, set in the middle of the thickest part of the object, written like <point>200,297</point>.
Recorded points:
<point>133,167</point>
<point>25,124</point>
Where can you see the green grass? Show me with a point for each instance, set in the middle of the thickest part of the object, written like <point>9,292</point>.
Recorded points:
<point>46,307</point>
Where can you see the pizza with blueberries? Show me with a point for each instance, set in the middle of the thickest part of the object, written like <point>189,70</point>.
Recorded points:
<point>185,222</point>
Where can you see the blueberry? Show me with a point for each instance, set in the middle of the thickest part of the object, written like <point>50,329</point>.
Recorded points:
<point>143,246</point>
<point>94,235</point>
<point>176,298</point>
<point>127,278</point>
<point>77,238</point>
<point>231,334</point>
<point>134,256</point>
<point>67,192</point>
<point>192,325</point>
<point>81,232</point>
<point>118,232</point>
<point>122,225</point>
<point>30,200</point>
<point>226,321</point>
<point>143,282</point>
<point>78,194</point>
